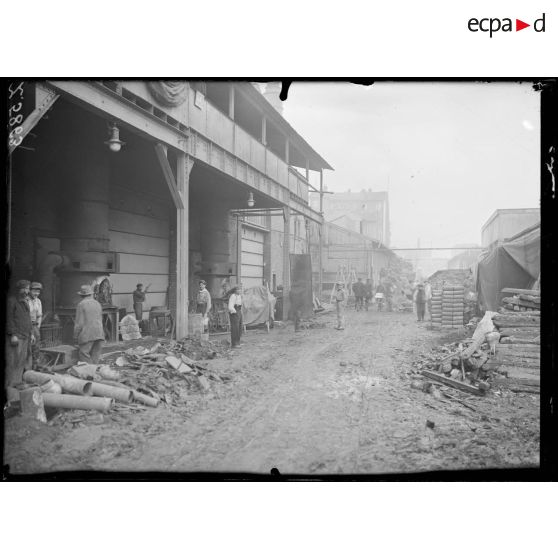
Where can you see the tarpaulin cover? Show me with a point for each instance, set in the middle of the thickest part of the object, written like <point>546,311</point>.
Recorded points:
<point>258,305</point>
<point>168,93</point>
<point>301,296</point>
<point>513,264</point>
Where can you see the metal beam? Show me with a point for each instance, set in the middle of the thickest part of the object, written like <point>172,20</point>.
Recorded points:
<point>161,153</point>
<point>111,105</point>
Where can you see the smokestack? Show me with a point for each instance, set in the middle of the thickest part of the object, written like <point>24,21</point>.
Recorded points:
<point>272,90</point>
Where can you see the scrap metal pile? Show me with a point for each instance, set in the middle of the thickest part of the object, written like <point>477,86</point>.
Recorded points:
<point>167,373</point>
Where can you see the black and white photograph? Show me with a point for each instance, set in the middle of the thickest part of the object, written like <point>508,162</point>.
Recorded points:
<point>311,279</point>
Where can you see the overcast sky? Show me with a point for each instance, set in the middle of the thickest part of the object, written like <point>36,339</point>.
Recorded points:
<point>449,154</point>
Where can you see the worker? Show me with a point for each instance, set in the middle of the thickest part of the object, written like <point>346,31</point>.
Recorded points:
<point>368,289</point>
<point>380,295</point>
<point>340,303</point>
<point>428,296</point>
<point>358,291</point>
<point>36,310</point>
<point>139,298</point>
<point>420,301</point>
<point>88,328</point>
<point>235,315</point>
<point>19,336</point>
<point>296,309</point>
<point>203,303</point>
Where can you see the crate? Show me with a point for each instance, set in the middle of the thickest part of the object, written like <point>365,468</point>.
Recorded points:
<point>51,335</point>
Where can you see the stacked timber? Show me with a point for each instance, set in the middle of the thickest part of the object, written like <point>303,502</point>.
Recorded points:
<point>517,355</point>
<point>521,300</point>
<point>436,308</point>
<point>452,305</point>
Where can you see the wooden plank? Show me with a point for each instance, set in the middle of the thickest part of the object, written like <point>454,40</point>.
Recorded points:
<point>130,243</point>
<point>126,282</point>
<point>527,350</point>
<point>48,98</point>
<point>170,181</point>
<point>134,263</point>
<point>520,340</point>
<point>123,221</point>
<point>453,383</point>
<point>522,332</point>
<point>521,291</point>
<point>519,371</point>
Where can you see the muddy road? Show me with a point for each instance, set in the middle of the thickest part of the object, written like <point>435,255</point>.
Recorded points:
<point>320,401</point>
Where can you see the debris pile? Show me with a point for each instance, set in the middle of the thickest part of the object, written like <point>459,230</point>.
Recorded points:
<point>521,300</point>
<point>139,377</point>
<point>503,350</point>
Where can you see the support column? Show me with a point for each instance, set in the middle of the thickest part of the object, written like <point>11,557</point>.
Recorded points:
<point>185,163</point>
<point>286,261</point>
<point>231,101</point>
<point>238,250</point>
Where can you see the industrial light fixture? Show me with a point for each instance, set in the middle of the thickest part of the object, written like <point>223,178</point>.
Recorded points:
<point>251,201</point>
<point>114,142</point>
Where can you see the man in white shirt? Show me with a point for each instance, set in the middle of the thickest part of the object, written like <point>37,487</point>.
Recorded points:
<point>203,302</point>
<point>36,311</point>
<point>235,315</point>
<point>340,298</point>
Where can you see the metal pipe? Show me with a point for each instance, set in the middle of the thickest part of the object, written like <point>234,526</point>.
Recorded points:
<point>69,384</point>
<point>118,394</point>
<point>101,404</point>
<point>145,399</point>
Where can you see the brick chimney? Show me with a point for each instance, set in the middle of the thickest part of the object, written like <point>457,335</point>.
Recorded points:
<point>272,90</point>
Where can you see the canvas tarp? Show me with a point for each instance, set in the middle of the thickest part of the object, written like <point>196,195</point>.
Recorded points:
<point>513,264</point>
<point>258,305</point>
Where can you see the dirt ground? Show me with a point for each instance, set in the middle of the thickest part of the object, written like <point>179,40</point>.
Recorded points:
<point>320,402</point>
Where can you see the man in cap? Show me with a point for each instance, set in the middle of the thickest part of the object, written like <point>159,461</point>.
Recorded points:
<point>88,328</point>
<point>340,303</point>
<point>36,310</point>
<point>19,334</point>
<point>203,302</point>
<point>139,298</point>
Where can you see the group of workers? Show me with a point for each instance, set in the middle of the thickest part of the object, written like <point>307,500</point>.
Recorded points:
<point>24,315</point>
<point>364,292</point>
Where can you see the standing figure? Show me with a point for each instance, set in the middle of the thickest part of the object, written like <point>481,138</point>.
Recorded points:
<point>367,293</point>
<point>340,303</point>
<point>420,301</point>
<point>139,299</point>
<point>19,335</point>
<point>380,295</point>
<point>36,310</point>
<point>88,328</point>
<point>358,290</point>
<point>235,315</point>
<point>428,296</point>
<point>203,303</point>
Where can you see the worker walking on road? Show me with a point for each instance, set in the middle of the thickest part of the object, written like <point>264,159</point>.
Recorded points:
<point>235,315</point>
<point>340,303</point>
<point>88,328</point>
<point>358,290</point>
<point>420,301</point>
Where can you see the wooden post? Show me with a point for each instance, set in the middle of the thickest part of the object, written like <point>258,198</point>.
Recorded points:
<point>238,250</point>
<point>286,262</point>
<point>231,101</point>
<point>307,170</point>
<point>185,163</point>
<point>264,130</point>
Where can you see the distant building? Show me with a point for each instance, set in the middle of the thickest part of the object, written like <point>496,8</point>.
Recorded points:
<point>365,212</point>
<point>505,223</point>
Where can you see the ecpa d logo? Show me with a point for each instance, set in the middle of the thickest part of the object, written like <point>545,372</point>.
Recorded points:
<point>492,25</point>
